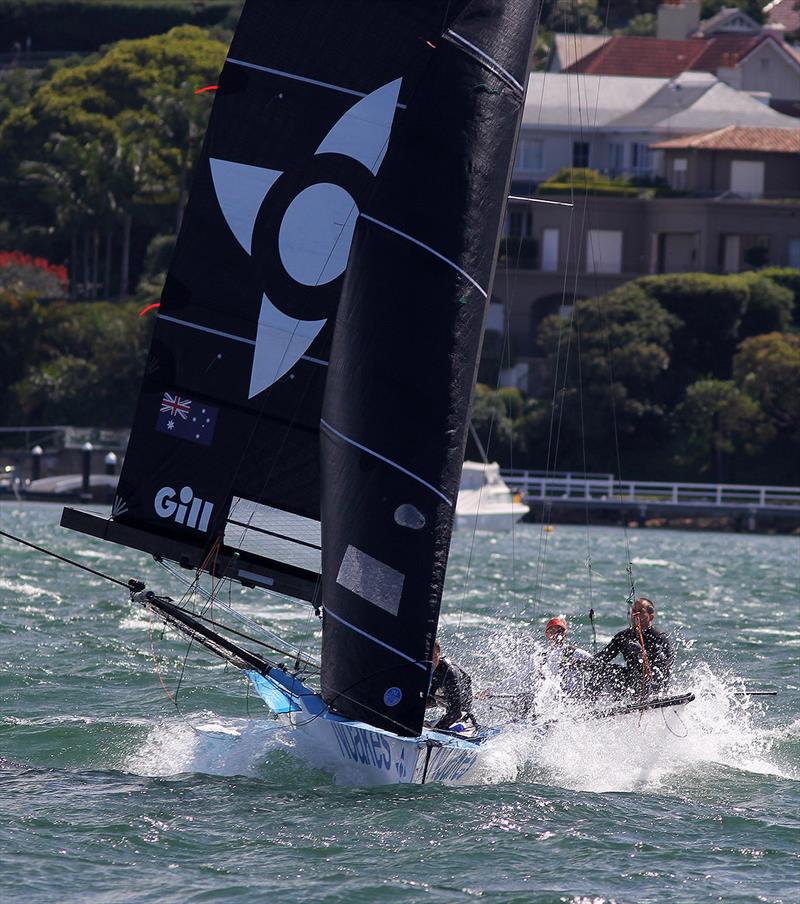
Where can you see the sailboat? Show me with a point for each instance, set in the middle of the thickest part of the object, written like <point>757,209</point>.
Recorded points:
<point>302,419</point>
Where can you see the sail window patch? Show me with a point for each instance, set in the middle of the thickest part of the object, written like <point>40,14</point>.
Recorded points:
<point>372,580</point>
<point>407,515</point>
<point>275,534</point>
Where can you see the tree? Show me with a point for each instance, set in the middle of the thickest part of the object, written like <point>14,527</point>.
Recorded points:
<point>710,310</point>
<point>769,306</point>
<point>716,420</point>
<point>84,365</point>
<point>491,421</point>
<point>134,117</point>
<point>789,278</point>
<point>768,369</point>
<point>608,366</point>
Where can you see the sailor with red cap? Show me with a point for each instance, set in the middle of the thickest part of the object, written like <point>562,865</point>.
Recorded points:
<point>563,659</point>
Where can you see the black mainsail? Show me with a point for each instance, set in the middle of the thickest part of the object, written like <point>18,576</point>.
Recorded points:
<point>305,400</point>
<point>404,358</point>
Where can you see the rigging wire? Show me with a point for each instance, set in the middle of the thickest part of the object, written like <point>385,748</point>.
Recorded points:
<point>55,555</point>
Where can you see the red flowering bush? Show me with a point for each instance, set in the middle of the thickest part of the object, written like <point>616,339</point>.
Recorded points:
<point>21,274</point>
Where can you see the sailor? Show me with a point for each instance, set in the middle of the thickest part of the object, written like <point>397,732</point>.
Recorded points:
<point>563,659</point>
<point>647,653</point>
<point>451,688</point>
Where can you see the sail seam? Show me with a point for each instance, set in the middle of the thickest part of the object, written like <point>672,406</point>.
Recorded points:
<point>381,643</point>
<point>302,78</point>
<point>485,58</point>
<point>433,251</point>
<point>384,459</point>
<point>208,329</point>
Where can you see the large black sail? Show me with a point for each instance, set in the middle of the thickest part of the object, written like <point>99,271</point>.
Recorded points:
<point>404,354</point>
<point>225,444</point>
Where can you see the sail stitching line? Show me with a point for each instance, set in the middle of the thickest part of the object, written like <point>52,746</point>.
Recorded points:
<point>208,329</point>
<point>400,653</point>
<point>484,58</point>
<point>384,459</point>
<point>302,78</point>
<point>435,253</point>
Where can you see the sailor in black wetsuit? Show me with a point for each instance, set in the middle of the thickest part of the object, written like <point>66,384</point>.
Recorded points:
<point>451,688</point>
<point>649,672</point>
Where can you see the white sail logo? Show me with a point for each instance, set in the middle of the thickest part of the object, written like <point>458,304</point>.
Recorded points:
<point>316,231</point>
<point>188,509</point>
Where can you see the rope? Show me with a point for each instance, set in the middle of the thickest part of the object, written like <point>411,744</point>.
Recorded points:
<point>55,555</point>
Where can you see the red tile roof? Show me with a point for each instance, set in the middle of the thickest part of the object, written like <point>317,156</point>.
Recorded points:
<point>643,57</point>
<point>739,138</point>
<point>783,12</point>
<point>726,50</point>
<point>666,58</point>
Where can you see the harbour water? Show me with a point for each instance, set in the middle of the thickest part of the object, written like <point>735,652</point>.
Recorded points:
<point>109,792</point>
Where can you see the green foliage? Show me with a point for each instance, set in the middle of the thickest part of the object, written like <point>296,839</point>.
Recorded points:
<point>491,421</point>
<point>83,25</point>
<point>608,364</point>
<point>710,310</point>
<point>572,16</point>
<point>715,420</point>
<point>579,180</point>
<point>158,255</point>
<point>789,278</point>
<point>768,368</point>
<point>769,306</point>
<point>643,25</point>
<point>100,142</point>
<point>20,324</point>
<point>84,364</point>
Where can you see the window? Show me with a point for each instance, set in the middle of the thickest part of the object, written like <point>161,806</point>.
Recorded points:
<point>616,158</point>
<point>530,155</point>
<point>580,154</point>
<point>604,251</point>
<point>642,159</point>
<point>794,253</point>
<point>680,168</point>
<point>747,178</point>
<point>519,223</point>
<point>550,250</point>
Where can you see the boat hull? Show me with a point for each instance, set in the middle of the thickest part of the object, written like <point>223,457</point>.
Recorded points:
<point>490,520</point>
<point>359,754</point>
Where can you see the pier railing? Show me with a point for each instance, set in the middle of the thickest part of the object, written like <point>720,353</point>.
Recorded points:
<point>607,489</point>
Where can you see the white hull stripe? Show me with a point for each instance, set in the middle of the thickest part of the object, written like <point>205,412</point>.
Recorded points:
<point>427,248</point>
<point>302,78</point>
<point>485,56</point>
<point>208,329</point>
<point>386,646</point>
<point>383,458</point>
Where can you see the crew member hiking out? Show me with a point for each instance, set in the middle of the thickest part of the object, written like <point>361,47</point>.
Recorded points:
<point>451,688</point>
<point>563,659</point>
<point>647,653</point>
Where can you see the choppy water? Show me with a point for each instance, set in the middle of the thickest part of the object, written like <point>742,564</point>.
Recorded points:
<point>107,793</point>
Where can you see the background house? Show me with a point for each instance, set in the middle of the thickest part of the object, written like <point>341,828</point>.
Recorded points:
<point>609,123</point>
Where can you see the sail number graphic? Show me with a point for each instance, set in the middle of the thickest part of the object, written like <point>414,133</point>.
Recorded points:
<point>313,236</point>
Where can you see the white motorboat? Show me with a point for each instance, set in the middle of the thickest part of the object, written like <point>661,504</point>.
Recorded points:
<point>484,500</point>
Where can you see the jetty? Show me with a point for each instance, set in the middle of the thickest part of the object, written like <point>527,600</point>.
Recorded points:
<point>604,499</point>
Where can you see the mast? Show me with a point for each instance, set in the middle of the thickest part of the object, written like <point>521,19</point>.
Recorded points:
<point>405,352</point>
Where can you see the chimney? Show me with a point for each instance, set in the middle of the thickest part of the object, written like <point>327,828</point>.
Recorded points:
<point>677,19</point>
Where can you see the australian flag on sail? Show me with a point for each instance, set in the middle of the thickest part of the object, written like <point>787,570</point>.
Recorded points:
<point>187,418</point>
